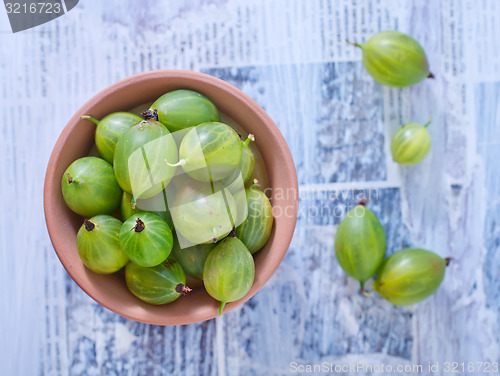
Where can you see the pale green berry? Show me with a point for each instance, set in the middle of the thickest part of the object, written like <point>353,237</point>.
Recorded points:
<point>411,143</point>
<point>395,59</point>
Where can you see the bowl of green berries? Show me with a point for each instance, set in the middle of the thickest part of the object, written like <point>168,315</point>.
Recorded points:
<point>171,197</point>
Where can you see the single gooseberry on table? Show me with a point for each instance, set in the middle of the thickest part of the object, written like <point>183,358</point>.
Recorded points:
<point>395,59</point>
<point>410,276</point>
<point>360,243</point>
<point>411,143</point>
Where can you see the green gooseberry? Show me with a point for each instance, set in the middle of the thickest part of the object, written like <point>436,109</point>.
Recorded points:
<point>89,187</point>
<point>180,109</point>
<point>98,244</point>
<point>411,143</point>
<point>360,243</point>
<point>129,207</point>
<point>210,151</point>
<point>109,130</point>
<point>202,213</point>
<point>139,160</point>
<point>255,231</point>
<point>247,164</point>
<point>192,259</point>
<point>395,59</point>
<point>229,271</point>
<point>409,276</point>
<point>146,239</point>
<point>157,285</point>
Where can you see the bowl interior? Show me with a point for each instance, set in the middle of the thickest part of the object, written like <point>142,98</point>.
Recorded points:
<point>78,137</point>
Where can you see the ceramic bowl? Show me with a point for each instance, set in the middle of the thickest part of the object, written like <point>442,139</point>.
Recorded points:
<point>76,140</point>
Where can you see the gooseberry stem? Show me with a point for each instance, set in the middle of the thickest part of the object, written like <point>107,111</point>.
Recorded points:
<point>354,43</point>
<point>182,289</point>
<point>362,289</point>
<point>430,121</point>
<point>148,114</point>
<point>182,162</point>
<point>447,260</point>
<point>70,178</point>
<point>431,75</point>
<point>250,137</point>
<point>363,202</point>
<point>87,117</point>
<point>222,304</point>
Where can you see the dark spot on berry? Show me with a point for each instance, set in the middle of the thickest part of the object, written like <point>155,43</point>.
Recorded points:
<point>150,115</point>
<point>89,226</point>
<point>139,225</point>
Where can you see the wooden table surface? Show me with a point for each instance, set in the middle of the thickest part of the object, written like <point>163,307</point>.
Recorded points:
<point>290,57</point>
